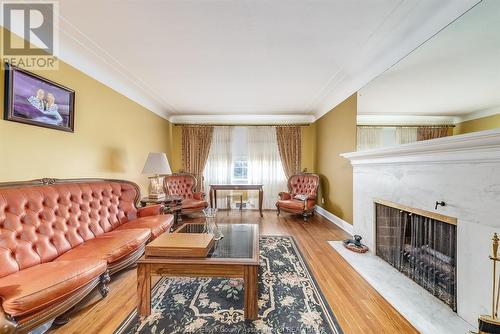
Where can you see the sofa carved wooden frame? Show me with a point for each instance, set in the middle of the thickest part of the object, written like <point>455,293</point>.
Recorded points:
<point>59,311</point>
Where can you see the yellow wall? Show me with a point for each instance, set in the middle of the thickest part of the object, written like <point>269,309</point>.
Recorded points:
<point>335,134</point>
<point>112,137</point>
<point>480,124</point>
<point>308,148</point>
<point>176,157</point>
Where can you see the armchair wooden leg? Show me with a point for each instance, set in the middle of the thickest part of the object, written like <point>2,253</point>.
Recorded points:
<point>7,324</point>
<point>307,214</point>
<point>103,284</point>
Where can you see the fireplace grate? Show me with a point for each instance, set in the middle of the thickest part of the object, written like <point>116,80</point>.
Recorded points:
<point>422,248</point>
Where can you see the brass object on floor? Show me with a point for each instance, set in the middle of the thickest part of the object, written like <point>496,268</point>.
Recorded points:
<point>490,324</point>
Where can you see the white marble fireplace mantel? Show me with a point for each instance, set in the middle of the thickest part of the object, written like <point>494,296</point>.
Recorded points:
<point>464,172</point>
<point>483,146</point>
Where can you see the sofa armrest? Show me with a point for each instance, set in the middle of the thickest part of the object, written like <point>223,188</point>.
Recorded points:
<point>309,204</point>
<point>152,210</point>
<point>284,196</point>
<point>199,196</point>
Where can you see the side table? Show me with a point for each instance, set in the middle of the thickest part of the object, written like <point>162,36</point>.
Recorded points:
<point>171,204</point>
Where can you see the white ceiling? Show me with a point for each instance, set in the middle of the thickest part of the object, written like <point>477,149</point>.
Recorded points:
<point>456,73</point>
<point>245,60</point>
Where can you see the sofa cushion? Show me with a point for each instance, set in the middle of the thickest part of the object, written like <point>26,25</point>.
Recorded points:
<point>291,204</point>
<point>294,204</point>
<point>45,284</point>
<point>111,246</point>
<point>190,204</point>
<point>157,224</point>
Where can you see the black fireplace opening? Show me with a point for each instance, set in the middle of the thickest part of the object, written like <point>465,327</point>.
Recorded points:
<point>420,247</point>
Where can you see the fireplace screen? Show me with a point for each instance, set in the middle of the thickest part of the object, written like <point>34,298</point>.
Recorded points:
<point>422,248</point>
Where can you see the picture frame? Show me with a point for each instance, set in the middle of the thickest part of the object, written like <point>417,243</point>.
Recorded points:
<point>34,100</point>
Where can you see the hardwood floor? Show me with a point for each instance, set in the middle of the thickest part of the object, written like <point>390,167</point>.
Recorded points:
<point>356,305</point>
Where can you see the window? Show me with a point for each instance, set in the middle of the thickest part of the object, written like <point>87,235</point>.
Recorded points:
<point>240,170</point>
<point>239,152</point>
<point>243,155</point>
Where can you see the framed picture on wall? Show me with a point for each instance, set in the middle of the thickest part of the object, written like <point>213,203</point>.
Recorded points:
<point>34,100</point>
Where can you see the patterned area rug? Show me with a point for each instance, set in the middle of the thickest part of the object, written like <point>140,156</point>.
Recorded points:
<point>289,300</point>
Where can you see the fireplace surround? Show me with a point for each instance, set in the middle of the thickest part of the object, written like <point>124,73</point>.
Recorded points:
<point>464,172</point>
<point>421,245</point>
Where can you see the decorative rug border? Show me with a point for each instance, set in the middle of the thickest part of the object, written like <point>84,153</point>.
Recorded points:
<point>325,306</point>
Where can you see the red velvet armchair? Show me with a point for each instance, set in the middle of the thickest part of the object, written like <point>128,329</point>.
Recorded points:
<point>183,185</point>
<point>299,185</point>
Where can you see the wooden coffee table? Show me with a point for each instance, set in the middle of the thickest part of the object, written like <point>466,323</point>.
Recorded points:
<point>235,255</point>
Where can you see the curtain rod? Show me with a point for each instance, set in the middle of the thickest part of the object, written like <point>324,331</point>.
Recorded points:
<point>276,125</point>
<point>405,126</point>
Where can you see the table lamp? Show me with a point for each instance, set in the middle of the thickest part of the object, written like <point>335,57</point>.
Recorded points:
<point>156,164</point>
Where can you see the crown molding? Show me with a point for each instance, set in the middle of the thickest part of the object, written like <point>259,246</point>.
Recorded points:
<point>79,51</point>
<point>478,114</point>
<point>405,120</point>
<point>477,147</point>
<point>394,39</point>
<point>242,119</point>
<point>388,119</point>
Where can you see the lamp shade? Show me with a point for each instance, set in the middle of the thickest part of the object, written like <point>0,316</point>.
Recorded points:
<point>157,163</point>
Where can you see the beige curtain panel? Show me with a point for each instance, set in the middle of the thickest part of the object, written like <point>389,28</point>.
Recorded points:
<point>196,142</point>
<point>431,132</point>
<point>289,146</point>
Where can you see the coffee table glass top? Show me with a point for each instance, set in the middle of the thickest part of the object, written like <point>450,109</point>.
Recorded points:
<point>239,241</point>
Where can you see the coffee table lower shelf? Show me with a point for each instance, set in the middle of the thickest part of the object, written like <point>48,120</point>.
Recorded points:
<point>147,267</point>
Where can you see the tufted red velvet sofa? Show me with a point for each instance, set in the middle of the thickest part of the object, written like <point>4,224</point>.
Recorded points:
<point>59,239</point>
<point>299,184</point>
<point>183,185</point>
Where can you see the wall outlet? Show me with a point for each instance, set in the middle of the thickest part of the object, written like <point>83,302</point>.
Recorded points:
<point>322,200</point>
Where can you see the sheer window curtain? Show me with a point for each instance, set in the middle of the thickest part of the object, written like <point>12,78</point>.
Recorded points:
<point>218,169</point>
<point>264,164</point>
<point>369,137</point>
<point>406,135</point>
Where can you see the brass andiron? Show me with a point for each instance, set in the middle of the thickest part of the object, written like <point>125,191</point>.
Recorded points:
<point>490,323</point>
